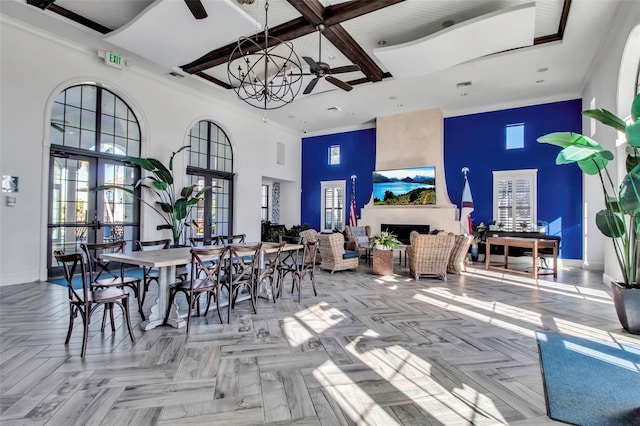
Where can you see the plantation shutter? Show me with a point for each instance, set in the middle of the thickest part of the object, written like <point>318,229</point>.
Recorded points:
<point>515,199</point>
<point>333,205</point>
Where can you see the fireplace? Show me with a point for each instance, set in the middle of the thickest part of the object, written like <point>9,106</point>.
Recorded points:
<point>402,231</point>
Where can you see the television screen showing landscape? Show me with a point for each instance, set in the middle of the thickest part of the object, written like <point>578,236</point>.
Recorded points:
<point>404,186</point>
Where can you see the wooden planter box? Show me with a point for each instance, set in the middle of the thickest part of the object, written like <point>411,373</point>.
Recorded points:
<point>383,262</point>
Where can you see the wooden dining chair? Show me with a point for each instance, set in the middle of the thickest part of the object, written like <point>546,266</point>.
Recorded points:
<point>270,270</point>
<point>86,300</point>
<point>150,274</point>
<point>101,274</point>
<point>232,239</point>
<point>241,273</point>
<point>306,268</point>
<point>201,241</point>
<point>195,287</point>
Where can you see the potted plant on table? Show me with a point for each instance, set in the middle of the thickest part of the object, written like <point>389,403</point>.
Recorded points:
<point>383,244</point>
<point>620,219</point>
<point>174,208</point>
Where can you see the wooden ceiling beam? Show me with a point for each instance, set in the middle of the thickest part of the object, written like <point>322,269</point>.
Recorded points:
<point>341,39</point>
<point>288,31</point>
<point>311,10</point>
<point>352,9</point>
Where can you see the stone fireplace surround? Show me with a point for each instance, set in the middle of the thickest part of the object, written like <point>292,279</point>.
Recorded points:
<point>413,139</point>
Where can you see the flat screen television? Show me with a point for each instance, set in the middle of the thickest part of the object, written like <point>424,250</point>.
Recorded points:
<point>416,186</point>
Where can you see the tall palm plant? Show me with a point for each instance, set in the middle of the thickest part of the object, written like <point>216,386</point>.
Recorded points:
<point>620,219</point>
<point>173,208</point>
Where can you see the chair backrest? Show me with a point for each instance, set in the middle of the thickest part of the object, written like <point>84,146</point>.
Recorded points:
<point>331,246</point>
<point>232,239</point>
<point>70,264</point>
<point>202,242</point>
<point>97,266</point>
<point>272,260</point>
<point>245,261</point>
<point>153,245</point>
<point>202,269</point>
<point>310,252</point>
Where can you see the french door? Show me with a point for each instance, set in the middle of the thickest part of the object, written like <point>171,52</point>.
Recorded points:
<point>212,215</point>
<point>79,214</point>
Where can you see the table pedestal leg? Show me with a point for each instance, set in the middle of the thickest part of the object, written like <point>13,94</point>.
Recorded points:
<point>159,309</point>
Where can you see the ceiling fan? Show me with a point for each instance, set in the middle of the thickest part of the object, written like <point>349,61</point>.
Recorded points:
<point>322,69</point>
<point>197,8</point>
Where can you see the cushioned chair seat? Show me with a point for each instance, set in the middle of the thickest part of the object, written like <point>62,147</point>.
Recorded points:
<point>350,254</point>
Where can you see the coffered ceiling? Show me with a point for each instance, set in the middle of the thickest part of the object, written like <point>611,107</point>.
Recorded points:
<point>460,55</point>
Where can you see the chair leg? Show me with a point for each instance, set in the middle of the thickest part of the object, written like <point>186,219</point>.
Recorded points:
<point>139,296</point>
<point>125,311</point>
<point>104,317</point>
<point>72,315</point>
<point>252,297</point>
<point>85,335</point>
<point>113,324</point>
<point>229,305</point>
<point>313,283</point>
<point>190,300</point>
<point>218,303</point>
<point>172,295</point>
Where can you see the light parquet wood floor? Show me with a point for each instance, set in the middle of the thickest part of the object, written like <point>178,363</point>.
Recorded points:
<point>367,350</point>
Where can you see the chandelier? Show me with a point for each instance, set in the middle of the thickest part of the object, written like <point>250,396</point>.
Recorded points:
<point>260,70</point>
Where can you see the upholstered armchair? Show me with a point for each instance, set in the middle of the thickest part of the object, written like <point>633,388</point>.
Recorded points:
<point>334,256</point>
<point>429,254</point>
<point>357,237</point>
<point>459,254</point>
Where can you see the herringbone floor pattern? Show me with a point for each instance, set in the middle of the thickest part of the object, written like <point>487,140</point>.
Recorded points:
<point>367,350</point>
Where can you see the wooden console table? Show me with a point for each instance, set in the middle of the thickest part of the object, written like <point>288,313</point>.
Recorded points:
<point>533,243</point>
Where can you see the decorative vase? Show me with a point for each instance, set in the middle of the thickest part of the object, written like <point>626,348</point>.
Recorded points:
<point>627,303</point>
<point>383,262</point>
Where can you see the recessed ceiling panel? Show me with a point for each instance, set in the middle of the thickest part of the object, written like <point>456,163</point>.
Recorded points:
<point>494,32</point>
<point>167,33</point>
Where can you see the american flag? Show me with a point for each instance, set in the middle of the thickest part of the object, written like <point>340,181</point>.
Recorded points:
<point>467,208</point>
<point>353,218</point>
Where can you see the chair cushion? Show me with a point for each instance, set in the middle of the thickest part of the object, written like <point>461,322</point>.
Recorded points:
<point>358,231</point>
<point>363,241</point>
<point>350,254</point>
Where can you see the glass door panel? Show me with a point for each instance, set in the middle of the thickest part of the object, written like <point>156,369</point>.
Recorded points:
<point>78,214</point>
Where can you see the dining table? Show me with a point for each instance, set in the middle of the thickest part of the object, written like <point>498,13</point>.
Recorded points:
<point>166,261</point>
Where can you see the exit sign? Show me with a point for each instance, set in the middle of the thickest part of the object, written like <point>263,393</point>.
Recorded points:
<point>114,60</point>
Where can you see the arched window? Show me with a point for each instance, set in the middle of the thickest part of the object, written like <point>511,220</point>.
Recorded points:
<point>91,131</point>
<point>211,163</point>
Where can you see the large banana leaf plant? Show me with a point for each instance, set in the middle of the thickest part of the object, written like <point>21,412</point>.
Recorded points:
<point>620,219</point>
<point>173,208</point>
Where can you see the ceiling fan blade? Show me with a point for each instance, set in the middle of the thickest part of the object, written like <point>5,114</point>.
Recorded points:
<point>312,64</point>
<point>311,85</point>
<point>197,8</point>
<point>346,68</point>
<point>341,84</point>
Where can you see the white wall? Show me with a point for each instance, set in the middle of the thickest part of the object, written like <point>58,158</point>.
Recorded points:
<point>35,68</point>
<point>601,91</point>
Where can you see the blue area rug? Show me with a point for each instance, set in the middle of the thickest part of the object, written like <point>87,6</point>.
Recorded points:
<point>77,281</point>
<point>590,382</point>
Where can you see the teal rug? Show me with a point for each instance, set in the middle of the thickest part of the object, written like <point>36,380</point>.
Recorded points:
<point>77,281</point>
<point>590,382</point>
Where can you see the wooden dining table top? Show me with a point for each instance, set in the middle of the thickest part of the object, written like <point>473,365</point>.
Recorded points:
<point>180,255</point>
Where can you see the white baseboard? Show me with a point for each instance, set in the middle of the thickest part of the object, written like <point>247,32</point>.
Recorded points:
<point>18,278</point>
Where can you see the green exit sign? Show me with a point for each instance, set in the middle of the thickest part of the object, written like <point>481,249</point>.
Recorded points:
<point>114,60</point>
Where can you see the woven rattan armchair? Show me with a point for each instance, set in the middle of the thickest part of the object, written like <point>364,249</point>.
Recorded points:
<point>429,254</point>
<point>353,242</point>
<point>332,251</point>
<point>459,254</point>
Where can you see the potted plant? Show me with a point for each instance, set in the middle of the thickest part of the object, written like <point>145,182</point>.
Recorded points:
<point>174,208</point>
<point>382,244</point>
<point>620,219</point>
<point>384,240</point>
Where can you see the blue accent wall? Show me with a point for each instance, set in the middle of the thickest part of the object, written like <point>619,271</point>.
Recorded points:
<point>476,141</point>
<point>357,157</point>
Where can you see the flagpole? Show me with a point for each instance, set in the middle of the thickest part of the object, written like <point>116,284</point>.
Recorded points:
<point>466,206</point>
<point>353,218</point>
